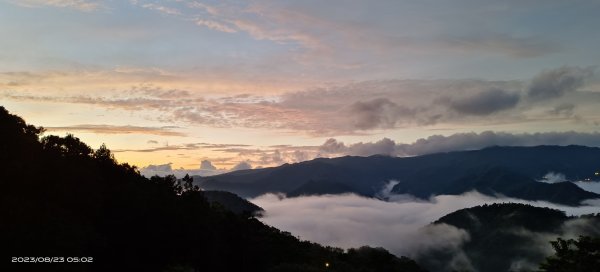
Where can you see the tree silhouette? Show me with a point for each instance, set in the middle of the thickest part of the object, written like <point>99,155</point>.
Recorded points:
<point>69,146</point>
<point>61,198</point>
<point>104,154</point>
<point>188,184</point>
<point>581,255</point>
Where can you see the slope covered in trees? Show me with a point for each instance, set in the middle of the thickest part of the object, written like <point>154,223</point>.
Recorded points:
<point>61,198</point>
<point>232,202</point>
<point>581,255</point>
<point>508,237</point>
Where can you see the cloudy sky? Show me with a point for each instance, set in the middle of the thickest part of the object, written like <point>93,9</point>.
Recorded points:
<point>212,85</point>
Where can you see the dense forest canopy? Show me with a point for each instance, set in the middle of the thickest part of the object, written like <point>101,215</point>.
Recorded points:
<point>61,198</point>
<point>517,237</point>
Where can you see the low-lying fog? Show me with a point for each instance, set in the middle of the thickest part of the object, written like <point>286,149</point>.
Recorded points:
<point>399,225</point>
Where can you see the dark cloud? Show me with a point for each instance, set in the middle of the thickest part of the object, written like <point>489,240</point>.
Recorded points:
<point>555,83</point>
<point>381,147</point>
<point>378,113</point>
<point>384,146</point>
<point>485,102</point>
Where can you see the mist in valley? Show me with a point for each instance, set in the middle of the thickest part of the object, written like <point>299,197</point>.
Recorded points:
<point>402,223</point>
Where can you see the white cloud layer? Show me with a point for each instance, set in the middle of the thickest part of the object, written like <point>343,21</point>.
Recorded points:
<point>590,186</point>
<point>280,154</point>
<point>206,169</point>
<point>399,226</point>
<point>458,142</point>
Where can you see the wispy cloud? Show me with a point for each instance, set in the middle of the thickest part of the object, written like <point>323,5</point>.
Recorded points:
<point>277,34</point>
<point>86,77</point>
<point>191,146</point>
<point>515,47</point>
<point>329,41</point>
<point>212,10</point>
<point>214,25</point>
<point>361,107</point>
<point>551,84</point>
<point>161,8</point>
<point>83,5</point>
<point>238,148</point>
<point>110,129</point>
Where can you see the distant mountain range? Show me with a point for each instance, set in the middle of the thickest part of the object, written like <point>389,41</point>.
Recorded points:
<point>506,237</point>
<point>509,171</point>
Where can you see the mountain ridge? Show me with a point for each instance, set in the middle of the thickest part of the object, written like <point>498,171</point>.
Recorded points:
<point>428,175</point>
<point>101,215</point>
<point>507,236</point>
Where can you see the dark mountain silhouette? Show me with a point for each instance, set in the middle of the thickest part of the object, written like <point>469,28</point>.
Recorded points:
<point>320,188</point>
<point>60,198</point>
<point>510,171</point>
<point>506,237</point>
<point>231,202</point>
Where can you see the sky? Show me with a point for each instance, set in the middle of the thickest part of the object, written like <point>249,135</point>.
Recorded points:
<point>203,87</point>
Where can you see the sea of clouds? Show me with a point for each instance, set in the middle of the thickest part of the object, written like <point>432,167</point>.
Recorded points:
<point>400,223</point>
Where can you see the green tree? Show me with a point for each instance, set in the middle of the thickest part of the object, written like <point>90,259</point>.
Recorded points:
<point>572,255</point>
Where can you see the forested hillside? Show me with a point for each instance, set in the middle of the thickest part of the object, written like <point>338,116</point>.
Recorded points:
<point>61,198</point>
<point>510,237</point>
